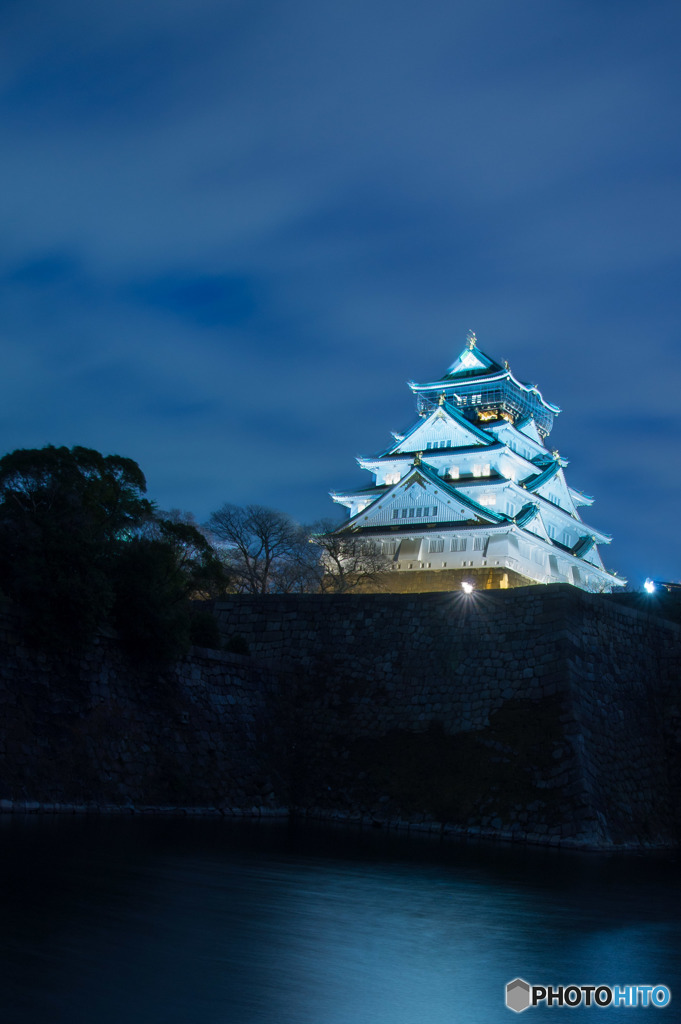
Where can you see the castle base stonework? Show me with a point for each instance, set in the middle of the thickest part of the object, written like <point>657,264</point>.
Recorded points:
<point>542,714</point>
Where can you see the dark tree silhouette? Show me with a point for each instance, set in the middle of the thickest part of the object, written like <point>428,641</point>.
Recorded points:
<point>265,551</point>
<point>62,513</point>
<point>80,545</point>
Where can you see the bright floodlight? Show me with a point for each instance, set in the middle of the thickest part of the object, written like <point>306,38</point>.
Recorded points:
<point>467,587</point>
<point>649,587</point>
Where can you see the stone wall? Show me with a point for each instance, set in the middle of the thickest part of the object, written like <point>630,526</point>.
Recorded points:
<point>100,732</point>
<point>544,711</point>
<point>542,714</point>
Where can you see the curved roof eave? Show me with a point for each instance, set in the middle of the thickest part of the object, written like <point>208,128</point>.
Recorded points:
<point>532,483</point>
<point>428,453</point>
<point>579,497</point>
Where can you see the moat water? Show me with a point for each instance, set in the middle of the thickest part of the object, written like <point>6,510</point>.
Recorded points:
<point>171,921</point>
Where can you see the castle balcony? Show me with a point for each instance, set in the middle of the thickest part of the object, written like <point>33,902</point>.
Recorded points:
<point>489,401</point>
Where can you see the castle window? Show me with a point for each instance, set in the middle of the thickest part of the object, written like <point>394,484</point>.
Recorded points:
<point>436,544</point>
<point>488,499</point>
<point>481,469</point>
<point>417,512</point>
<point>478,543</point>
<point>453,472</point>
<point>458,544</point>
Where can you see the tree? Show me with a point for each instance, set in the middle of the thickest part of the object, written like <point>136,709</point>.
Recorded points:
<point>80,545</point>
<point>205,574</point>
<point>264,550</point>
<point>61,513</point>
<point>157,575</point>
<point>105,492</point>
<point>150,609</point>
<point>347,562</point>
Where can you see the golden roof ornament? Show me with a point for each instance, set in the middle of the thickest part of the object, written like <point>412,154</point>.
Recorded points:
<point>471,339</point>
<point>441,399</point>
<point>417,458</point>
<point>556,454</point>
<point>506,366</point>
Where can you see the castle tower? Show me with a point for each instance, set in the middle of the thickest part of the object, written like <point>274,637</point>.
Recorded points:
<point>471,493</point>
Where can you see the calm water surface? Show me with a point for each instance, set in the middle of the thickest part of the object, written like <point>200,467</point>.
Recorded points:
<point>205,922</point>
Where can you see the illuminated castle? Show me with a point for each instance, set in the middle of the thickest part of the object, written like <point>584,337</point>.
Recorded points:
<point>471,494</point>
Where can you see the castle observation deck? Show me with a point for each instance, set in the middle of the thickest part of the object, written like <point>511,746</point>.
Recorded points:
<point>484,390</point>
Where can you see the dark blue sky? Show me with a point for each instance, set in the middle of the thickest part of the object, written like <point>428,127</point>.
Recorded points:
<point>231,231</point>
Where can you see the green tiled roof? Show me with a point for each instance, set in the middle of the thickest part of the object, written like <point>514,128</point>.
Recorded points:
<point>526,514</point>
<point>583,546</point>
<point>532,483</point>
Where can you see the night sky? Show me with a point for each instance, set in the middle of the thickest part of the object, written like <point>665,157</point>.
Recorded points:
<point>232,231</point>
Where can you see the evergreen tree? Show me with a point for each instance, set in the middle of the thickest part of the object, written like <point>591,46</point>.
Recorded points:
<point>62,511</point>
<point>80,545</point>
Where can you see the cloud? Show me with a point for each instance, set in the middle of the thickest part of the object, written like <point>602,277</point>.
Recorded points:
<point>233,230</point>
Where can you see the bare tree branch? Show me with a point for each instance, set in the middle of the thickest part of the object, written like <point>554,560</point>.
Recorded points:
<point>348,562</point>
<point>265,550</point>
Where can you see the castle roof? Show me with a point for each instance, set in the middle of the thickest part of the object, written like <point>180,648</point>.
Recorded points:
<point>532,483</point>
<point>420,473</point>
<point>447,412</point>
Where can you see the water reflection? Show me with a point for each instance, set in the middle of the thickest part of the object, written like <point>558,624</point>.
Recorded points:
<point>206,922</point>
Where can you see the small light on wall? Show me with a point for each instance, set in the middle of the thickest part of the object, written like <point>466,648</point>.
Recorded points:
<point>649,586</point>
<point>467,587</point>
